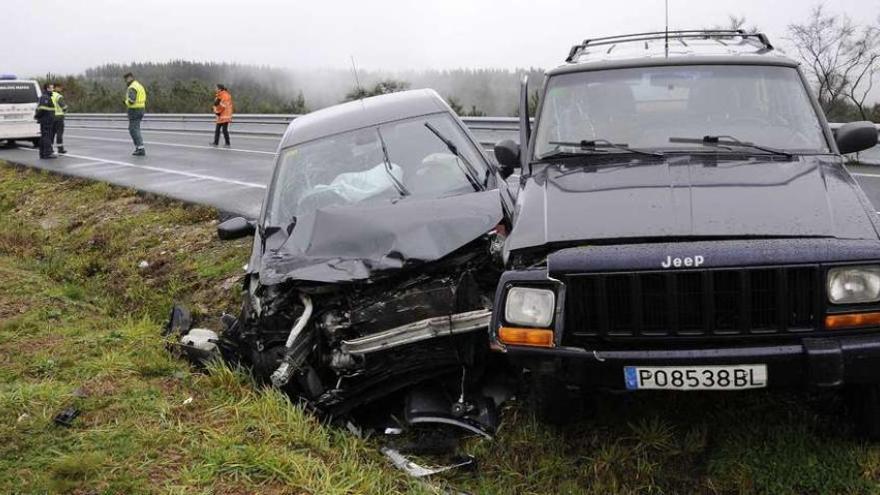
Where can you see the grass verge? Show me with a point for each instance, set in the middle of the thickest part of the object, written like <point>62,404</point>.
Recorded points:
<point>79,325</point>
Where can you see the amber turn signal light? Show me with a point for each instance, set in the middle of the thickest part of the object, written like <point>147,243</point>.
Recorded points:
<point>852,320</point>
<point>535,337</point>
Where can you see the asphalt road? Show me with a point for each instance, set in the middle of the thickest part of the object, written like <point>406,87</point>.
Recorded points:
<point>184,166</point>
<point>179,165</point>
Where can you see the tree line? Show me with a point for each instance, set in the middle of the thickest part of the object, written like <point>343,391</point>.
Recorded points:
<point>180,87</point>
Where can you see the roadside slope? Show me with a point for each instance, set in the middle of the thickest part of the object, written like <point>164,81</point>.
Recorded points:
<point>79,325</point>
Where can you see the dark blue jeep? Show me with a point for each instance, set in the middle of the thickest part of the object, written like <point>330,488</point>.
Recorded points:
<point>684,221</point>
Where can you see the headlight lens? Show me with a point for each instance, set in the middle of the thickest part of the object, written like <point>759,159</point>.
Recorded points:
<point>530,306</point>
<point>854,284</point>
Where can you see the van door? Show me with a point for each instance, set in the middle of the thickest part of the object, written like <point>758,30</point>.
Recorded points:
<point>18,103</point>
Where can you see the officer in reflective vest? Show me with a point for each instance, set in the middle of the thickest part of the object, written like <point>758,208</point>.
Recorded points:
<point>60,107</point>
<point>45,114</point>
<point>136,102</point>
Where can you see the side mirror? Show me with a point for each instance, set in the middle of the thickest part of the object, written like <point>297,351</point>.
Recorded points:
<point>855,136</point>
<point>235,228</point>
<point>507,154</point>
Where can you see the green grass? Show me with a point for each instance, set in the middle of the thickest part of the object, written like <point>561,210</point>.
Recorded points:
<point>80,324</point>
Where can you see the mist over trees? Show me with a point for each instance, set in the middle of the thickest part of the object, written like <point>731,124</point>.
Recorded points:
<point>188,87</point>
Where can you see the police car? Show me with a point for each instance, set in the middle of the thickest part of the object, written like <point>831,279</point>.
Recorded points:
<point>18,102</point>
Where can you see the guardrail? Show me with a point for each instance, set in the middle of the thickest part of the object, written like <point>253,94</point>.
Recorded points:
<point>279,120</point>
<point>488,130</point>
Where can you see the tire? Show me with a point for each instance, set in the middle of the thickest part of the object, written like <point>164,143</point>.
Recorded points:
<point>865,406</point>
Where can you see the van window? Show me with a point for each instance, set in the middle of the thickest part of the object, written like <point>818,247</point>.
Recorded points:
<point>18,92</point>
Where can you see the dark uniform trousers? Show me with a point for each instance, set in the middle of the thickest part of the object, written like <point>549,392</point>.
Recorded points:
<point>46,117</point>
<point>47,125</point>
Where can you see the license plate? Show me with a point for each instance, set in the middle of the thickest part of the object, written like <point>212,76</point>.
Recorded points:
<point>739,377</point>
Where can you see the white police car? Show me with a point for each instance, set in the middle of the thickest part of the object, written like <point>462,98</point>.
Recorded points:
<point>18,103</point>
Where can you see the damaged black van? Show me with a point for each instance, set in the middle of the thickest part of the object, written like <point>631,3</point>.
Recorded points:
<point>374,264</point>
<point>685,221</point>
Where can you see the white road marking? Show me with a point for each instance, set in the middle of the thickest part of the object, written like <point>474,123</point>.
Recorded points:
<point>85,164</point>
<point>177,145</point>
<point>164,170</point>
<point>190,134</point>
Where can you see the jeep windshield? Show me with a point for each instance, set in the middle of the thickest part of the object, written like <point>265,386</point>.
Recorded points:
<point>384,162</point>
<point>645,107</point>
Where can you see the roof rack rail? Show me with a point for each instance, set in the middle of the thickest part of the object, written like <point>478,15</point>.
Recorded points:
<point>705,34</point>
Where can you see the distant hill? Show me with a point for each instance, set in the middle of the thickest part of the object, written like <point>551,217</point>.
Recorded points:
<point>183,87</point>
<point>188,87</point>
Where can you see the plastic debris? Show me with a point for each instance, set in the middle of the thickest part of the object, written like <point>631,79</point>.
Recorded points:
<point>66,416</point>
<point>418,471</point>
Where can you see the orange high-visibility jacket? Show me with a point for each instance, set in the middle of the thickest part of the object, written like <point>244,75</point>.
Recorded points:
<point>223,107</point>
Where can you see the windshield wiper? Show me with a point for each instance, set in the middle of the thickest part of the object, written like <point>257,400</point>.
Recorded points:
<point>600,144</point>
<point>726,141</point>
<point>394,180</point>
<point>468,168</point>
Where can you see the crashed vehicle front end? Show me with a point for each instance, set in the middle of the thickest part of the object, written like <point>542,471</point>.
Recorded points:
<point>374,265</point>
<point>373,300</point>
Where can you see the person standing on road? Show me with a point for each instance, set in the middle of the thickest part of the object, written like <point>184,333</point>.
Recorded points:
<point>223,111</point>
<point>45,114</point>
<point>60,107</point>
<point>136,102</point>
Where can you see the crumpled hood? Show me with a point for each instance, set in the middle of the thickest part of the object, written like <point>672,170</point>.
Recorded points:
<point>691,197</point>
<point>344,244</point>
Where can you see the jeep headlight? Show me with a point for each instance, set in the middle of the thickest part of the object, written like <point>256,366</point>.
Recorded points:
<point>529,306</point>
<point>854,284</point>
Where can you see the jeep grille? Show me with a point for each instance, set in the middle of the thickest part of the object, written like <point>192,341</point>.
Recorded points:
<point>692,303</point>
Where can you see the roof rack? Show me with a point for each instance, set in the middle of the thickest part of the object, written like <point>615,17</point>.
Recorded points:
<point>705,34</point>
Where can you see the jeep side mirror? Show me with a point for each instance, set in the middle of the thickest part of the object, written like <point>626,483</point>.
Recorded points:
<point>235,228</point>
<point>507,154</point>
<point>855,136</point>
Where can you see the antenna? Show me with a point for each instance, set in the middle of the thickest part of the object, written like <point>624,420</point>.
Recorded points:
<point>666,32</point>
<point>357,81</point>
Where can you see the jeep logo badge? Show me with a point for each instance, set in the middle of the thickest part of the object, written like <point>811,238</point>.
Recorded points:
<point>687,261</point>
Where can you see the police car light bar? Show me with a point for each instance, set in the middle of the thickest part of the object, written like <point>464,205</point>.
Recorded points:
<point>7,77</point>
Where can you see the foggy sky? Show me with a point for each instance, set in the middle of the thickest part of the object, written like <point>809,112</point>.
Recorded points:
<point>40,36</point>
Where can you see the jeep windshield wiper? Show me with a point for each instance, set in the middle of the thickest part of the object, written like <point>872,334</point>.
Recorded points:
<point>394,180</point>
<point>468,168</point>
<point>600,144</point>
<point>726,141</point>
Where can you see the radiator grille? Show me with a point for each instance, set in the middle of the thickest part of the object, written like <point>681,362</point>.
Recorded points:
<point>691,303</point>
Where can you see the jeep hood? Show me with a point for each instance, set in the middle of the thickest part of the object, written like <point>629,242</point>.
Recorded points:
<point>691,197</point>
<point>351,243</point>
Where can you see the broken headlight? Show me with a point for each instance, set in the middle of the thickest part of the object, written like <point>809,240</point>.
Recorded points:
<point>854,284</point>
<point>530,306</point>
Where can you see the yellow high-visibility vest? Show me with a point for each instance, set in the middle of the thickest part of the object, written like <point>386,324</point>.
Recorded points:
<point>59,110</point>
<point>140,100</point>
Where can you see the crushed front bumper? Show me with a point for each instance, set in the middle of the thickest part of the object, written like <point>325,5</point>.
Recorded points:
<point>812,362</point>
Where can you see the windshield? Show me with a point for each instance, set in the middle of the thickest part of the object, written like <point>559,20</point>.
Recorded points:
<point>351,168</point>
<point>18,92</point>
<point>644,107</point>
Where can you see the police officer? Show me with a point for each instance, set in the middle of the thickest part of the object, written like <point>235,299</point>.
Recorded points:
<point>136,102</point>
<point>46,116</point>
<point>60,107</point>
